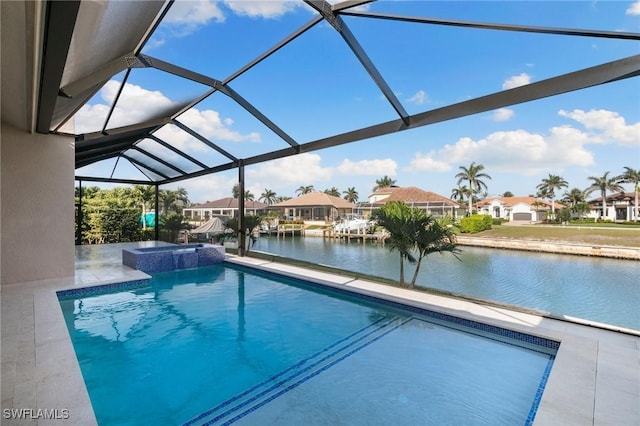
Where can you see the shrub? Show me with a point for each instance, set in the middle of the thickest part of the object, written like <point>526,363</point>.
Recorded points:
<point>563,215</point>
<point>476,223</point>
<point>583,220</point>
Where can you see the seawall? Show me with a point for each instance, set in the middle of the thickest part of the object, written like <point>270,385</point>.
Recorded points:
<point>618,252</point>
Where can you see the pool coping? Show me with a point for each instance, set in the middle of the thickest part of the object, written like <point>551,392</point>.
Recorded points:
<point>595,378</point>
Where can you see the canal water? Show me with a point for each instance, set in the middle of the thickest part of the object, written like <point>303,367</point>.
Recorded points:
<point>596,289</point>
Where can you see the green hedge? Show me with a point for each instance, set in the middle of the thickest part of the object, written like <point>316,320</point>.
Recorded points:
<point>476,223</point>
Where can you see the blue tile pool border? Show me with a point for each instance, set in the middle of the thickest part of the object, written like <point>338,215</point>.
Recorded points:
<point>74,293</point>
<point>536,401</point>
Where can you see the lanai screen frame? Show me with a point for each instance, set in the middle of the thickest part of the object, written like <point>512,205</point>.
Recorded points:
<point>60,99</point>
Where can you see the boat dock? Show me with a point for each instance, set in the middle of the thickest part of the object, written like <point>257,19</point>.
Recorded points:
<point>291,230</point>
<point>359,236</point>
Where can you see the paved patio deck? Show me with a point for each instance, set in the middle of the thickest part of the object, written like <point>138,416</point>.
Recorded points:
<point>595,379</point>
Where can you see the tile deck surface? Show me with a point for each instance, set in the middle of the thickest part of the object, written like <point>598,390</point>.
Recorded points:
<point>595,379</point>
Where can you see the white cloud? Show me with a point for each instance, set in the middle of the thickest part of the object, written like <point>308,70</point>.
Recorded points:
<point>209,124</point>
<point>210,187</point>
<point>187,16</point>
<point>515,151</point>
<point>89,118</point>
<point>502,114</point>
<point>426,163</point>
<point>634,9</point>
<point>419,98</point>
<point>606,126</point>
<point>516,81</point>
<point>382,167</point>
<point>135,104</point>
<point>267,9</point>
<point>193,14</point>
<point>303,169</point>
<point>138,104</point>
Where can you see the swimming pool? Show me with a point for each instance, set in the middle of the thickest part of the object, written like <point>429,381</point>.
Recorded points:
<point>225,344</point>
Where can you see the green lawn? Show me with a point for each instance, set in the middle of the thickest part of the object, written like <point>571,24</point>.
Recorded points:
<point>628,225</point>
<point>600,236</point>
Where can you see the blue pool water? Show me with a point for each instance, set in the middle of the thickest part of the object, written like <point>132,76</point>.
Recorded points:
<point>596,289</point>
<point>223,344</point>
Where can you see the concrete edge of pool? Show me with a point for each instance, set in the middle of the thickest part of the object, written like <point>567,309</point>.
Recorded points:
<point>595,378</point>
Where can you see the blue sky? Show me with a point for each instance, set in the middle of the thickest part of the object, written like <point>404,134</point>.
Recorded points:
<point>315,87</point>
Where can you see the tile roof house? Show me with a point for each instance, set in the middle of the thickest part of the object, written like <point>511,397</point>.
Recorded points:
<point>620,206</point>
<point>222,207</point>
<point>530,209</point>
<point>431,202</point>
<point>315,206</point>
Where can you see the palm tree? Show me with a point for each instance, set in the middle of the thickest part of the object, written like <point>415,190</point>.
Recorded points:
<point>581,208</point>
<point>395,217</point>
<point>573,197</point>
<point>268,196</point>
<point>144,194</point>
<point>351,195</point>
<point>460,193</point>
<point>631,175</point>
<point>549,186</point>
<point>304,190</point>
<point>183,196</point>
<point>537,204</point>
<point>603,184</point>
<point>251,222</point>
<point>384,182</point>
<point>173,224</point>
<point>473,175</point>
<point>433,236</point>
<point>235,191</point>
<point>167,199</point>
<point>335,192</point>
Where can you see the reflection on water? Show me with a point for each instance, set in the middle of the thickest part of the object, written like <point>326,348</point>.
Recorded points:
<point>597,289</point>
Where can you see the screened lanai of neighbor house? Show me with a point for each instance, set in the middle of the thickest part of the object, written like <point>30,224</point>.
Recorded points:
<point>60,57</point>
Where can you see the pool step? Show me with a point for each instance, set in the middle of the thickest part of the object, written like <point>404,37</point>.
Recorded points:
<point>242,404</point>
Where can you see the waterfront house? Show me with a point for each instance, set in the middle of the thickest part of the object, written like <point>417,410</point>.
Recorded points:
<point>528,209</point>
<point>434,204</point>
<point>620,206</point>
<point>222,207</point>
<point>314,206</point>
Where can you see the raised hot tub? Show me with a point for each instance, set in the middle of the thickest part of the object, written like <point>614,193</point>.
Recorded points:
<point>168,258</point>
